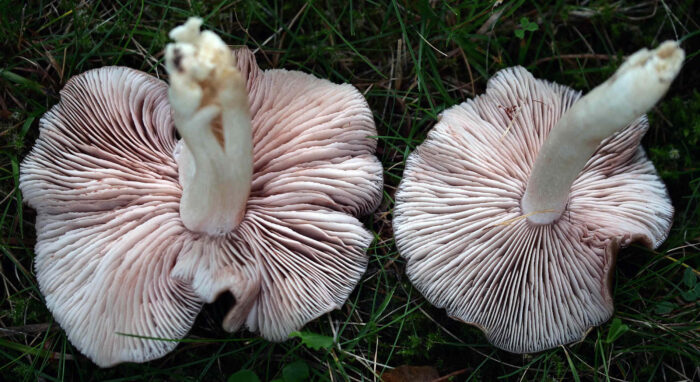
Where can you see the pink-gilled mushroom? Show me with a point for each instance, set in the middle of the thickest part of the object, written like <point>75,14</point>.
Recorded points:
<point>511,212</point>
<point>136,230</point>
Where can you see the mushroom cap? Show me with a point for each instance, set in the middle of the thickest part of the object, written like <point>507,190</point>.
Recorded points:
<point>469,249</point>
<point>112,254</point>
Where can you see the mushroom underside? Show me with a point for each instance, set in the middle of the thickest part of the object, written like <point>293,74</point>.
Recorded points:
<point>458,219</point>
<point>122,275</point>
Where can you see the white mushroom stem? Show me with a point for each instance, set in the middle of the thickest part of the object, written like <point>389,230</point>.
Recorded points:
<point>634,89</point>
<point>210,107</point>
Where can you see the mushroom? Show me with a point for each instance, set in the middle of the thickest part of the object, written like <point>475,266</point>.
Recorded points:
<point>512,211</point>
<point>137,229</point>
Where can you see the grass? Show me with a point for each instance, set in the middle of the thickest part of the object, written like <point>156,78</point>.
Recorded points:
<point>411,59</point>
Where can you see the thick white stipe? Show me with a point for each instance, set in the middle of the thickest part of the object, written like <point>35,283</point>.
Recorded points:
<point>209,100</point>
<point>632,91</point>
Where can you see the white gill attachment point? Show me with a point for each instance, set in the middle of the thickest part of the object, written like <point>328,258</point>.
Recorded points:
<point>209,100</point>
<point>633,90</point>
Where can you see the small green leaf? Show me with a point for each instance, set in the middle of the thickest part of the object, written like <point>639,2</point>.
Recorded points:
<point>519,33</point>
<point>617,328</point>
<point>296,371</point>
<point>689,295</point>
<point>664,307</point>
<point>527,25</point>
<point>689,278</point>
<point>243,376</point>
<point>313,340</point>
<point>697,290</point>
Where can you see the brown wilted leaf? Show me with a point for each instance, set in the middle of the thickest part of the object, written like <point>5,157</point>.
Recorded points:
<point>406,373</point>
